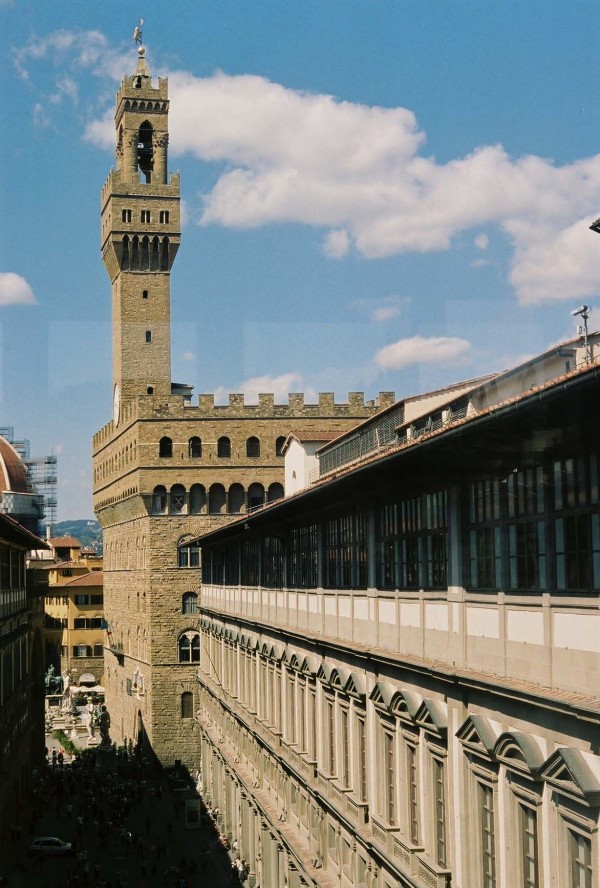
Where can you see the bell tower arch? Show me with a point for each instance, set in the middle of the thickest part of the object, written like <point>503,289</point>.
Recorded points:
<point>141,232</point>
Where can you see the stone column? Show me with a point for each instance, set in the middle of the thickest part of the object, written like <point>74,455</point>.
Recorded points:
<point>159,146</point>
<point>130,159</point>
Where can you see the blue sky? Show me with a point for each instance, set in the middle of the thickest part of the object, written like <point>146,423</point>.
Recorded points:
<point>379,195</point>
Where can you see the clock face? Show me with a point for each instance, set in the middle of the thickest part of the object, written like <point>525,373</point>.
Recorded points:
<point>116,405</point>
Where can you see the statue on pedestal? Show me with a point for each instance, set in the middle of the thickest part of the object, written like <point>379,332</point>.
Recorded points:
<point>53,682</point>
<point>104,727</point>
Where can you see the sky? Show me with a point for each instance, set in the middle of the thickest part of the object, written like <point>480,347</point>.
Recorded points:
<point>378,195</point>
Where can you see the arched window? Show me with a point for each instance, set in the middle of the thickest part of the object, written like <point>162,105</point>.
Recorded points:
<point>216,499</point>
<point>275,492</point>
<point>237,499</point>
<point>125,254</point>
<point>252,447</point>
<point>145,261</point>
<point>99,650</point>
<point>135,253</point>
<point>279,445</point>
<point>189,603</point>
<point>164,254</point>
<point>188,554</point>
<point>177,499</point>
<point>154,255</point>
<point>187,704</point>
<point>197,499</point>
<point>189,647</point>
<point>224,446</point>
<point>159,500</point>
<point>256,495</point>
<point>145,151</point>
<point>165,447</point>
<point>195,447</point>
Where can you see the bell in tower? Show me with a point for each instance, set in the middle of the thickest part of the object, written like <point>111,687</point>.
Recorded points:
<point>145,151</point>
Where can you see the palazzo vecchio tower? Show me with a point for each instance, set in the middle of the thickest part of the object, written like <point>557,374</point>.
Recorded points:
<point>166,470</point>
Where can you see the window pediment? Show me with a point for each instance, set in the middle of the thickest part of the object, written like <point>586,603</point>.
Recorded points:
<point>382,695</point>
<point>432,715</point>
<point>356,685</point>
<point>479,734</point>
<point>335,676</point>
<point>340,677</point>
<point>310,664</point>
<point>277,651</point>
<point>291,658</point>
<point>519,751</point>
<point>406,704</point>
<point>568,772</point>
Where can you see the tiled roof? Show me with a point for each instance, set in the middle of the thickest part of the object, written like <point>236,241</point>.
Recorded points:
<point>59,565</point>
<point>94,578</point>
<point>65,543</point>
<point>11,529</point>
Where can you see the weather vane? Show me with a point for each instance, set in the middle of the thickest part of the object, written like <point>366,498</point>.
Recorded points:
<point>137,33</point>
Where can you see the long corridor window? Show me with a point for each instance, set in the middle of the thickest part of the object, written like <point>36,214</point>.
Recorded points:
<point>346,552</point>
<point>577,524</point>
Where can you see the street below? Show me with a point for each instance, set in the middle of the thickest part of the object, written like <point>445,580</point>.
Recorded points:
<point>126,821</point>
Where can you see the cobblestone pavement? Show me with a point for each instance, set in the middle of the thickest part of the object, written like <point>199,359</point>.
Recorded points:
<point>132,835</point>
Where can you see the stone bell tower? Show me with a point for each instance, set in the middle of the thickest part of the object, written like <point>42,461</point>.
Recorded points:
<point>140,238</point>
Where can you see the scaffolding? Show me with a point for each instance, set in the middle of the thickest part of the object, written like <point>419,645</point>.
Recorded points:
<point>42,473</point>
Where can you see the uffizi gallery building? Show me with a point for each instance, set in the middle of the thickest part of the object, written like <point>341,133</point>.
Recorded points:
<point>390,677</point>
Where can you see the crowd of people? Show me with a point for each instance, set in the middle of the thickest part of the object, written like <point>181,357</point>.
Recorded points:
<point>121,821</point>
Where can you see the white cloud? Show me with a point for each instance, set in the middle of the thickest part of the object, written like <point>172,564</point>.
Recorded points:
<point>280,386</point>
<point>53,65</point>
<point>556,265</point>
<point>419,350</point>
<point>336,244</point>
<point>188,357</point>
<point>66,86</point>
<point>386,313</point>
<point>40,117</point>
<point>357,171</point>
<point>14,290</point>
<point>77,49</point>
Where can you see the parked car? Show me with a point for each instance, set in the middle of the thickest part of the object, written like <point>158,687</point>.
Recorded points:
<point>50,845</point>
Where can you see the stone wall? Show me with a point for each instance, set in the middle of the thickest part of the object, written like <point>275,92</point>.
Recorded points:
<point>143,586</point>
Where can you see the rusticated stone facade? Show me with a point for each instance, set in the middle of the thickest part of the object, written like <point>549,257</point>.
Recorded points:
<point>165,470</point>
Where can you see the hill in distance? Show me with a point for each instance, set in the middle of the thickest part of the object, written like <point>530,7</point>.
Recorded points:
<point>87,531</point>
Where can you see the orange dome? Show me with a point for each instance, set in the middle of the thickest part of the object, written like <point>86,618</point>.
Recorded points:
<point>13,474</point>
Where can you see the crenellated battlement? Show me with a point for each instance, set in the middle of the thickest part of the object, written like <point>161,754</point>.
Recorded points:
<point>239,407</point>
<point>296,403</point>
<point>143,89</point>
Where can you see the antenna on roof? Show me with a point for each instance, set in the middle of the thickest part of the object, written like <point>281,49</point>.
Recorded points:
<point>584,312</point>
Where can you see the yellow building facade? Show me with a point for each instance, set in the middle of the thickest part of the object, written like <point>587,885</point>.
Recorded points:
<point>74,613</point>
